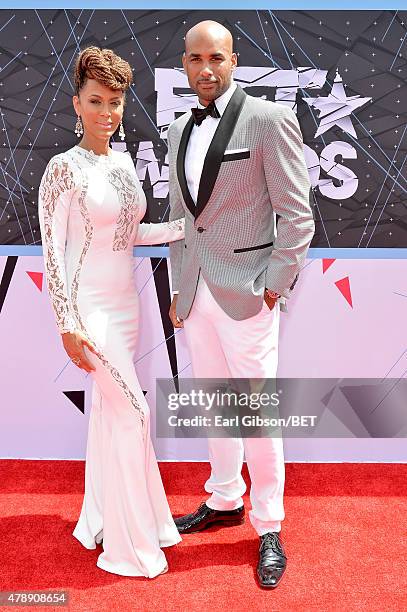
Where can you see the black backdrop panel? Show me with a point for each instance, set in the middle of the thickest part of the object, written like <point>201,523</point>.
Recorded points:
<point>344,72</point>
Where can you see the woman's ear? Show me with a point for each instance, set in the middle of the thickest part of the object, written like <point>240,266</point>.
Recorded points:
<point>76,105</point>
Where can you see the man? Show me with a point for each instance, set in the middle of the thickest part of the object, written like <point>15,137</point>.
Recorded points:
<point>235,162</point>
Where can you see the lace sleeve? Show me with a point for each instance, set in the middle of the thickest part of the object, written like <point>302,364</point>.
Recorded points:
<point>156,233</point>
<point>55,193</point>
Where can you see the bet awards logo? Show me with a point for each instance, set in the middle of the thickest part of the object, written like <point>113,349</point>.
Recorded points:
<point>333,178</point>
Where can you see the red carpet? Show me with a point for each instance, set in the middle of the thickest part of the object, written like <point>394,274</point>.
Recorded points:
<point>344,533</point>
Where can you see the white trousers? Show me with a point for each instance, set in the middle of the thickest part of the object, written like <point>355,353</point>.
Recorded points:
<point>221,347</point>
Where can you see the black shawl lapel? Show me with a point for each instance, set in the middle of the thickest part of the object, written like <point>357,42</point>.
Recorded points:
<point>182,149</point>
<point>217,148</point>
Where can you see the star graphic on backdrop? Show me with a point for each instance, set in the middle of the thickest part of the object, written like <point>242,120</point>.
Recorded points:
<point>335,108</point>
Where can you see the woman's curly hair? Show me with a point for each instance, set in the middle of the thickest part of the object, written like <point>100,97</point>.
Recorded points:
<point>104,66</point>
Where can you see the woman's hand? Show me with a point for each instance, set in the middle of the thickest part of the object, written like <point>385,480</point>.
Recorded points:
<point>73,344</point>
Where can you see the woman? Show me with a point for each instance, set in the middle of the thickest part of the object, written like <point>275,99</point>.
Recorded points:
<point>91,204</point>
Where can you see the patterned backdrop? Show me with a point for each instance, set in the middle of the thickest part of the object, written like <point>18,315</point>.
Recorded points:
<point>344,73</point>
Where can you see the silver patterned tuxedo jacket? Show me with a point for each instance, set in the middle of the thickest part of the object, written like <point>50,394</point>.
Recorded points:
<point>253,171</point>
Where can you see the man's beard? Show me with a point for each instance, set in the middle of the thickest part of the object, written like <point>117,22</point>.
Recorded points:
<point>215,94</point>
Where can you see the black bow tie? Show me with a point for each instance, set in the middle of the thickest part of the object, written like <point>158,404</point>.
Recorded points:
<point>199,114</point>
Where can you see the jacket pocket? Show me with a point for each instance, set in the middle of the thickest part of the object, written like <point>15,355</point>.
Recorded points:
<point>233,156</point>
<point>254,248</point>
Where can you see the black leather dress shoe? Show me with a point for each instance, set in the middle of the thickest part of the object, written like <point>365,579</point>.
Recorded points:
<point>272,560</point>
<point>206,517</point>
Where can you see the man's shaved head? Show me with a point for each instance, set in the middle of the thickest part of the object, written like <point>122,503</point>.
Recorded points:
<point>209,60</point>
<point>209,30</point>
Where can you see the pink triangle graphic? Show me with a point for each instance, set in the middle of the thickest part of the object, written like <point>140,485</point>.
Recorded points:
<point>327,263</point>
<point>37,278</point>
<point>344,287</point>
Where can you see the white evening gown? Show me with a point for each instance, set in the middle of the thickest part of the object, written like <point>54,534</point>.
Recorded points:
<point>90,207</point>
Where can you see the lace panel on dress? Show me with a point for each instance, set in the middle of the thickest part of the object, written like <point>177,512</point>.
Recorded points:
<point>127,191</point>
<point>58,179</point>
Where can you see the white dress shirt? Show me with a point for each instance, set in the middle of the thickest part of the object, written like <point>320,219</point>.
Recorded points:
<point>199,141</point>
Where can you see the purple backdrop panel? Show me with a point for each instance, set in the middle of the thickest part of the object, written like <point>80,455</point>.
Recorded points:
<point>343,321</point>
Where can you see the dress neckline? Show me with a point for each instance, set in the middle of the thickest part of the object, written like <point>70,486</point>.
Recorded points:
<point>94,155</point>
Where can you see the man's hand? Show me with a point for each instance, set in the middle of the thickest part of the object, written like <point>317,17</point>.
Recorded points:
<point>269,300</point>
<point>74,343</point>
<point>173,313</point>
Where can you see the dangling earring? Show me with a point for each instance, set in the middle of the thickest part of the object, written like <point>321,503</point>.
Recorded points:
<point>78,127</point>
<point>122,135</point>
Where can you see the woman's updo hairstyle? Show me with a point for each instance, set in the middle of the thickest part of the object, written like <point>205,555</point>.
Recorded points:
<point>104,66</point>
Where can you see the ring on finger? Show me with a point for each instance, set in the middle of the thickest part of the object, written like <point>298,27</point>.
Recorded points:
<point>76,360</point>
